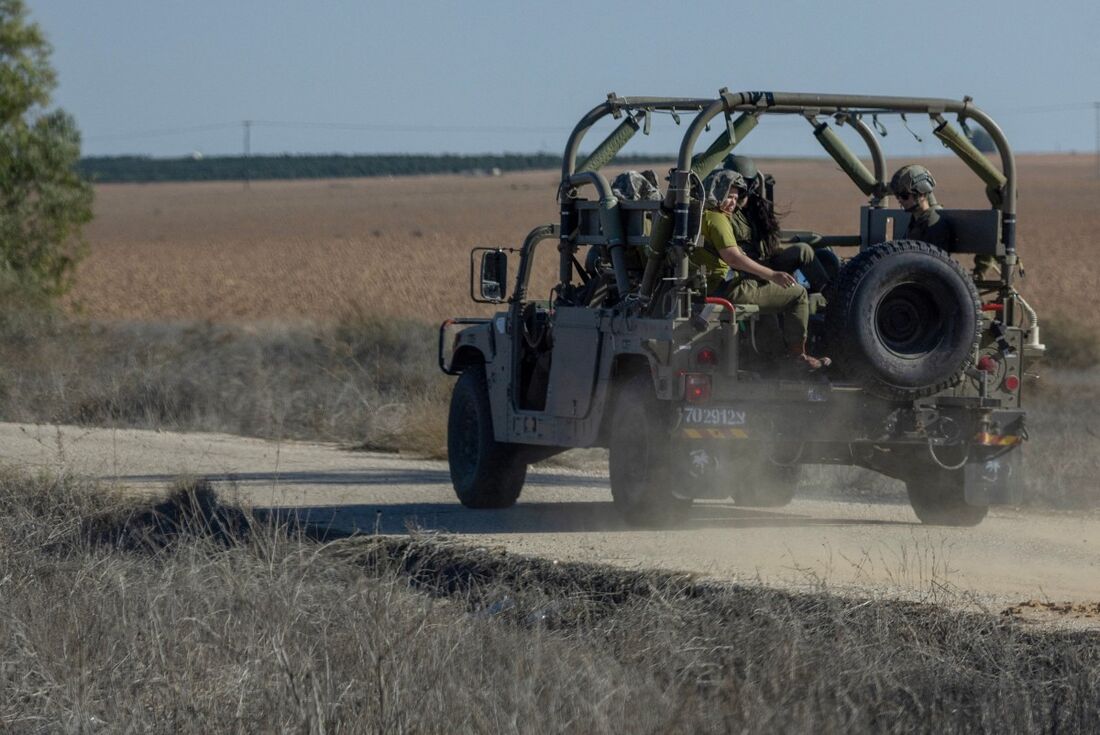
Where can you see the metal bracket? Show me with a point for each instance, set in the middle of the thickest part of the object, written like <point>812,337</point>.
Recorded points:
<point>905,122</point>
<point>878,126</point>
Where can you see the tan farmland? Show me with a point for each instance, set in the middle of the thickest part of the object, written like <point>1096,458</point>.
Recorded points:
<point>317,250</point>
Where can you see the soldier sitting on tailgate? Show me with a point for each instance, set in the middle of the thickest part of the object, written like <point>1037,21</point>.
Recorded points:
<point>733,275</point>
<point>756,227</point>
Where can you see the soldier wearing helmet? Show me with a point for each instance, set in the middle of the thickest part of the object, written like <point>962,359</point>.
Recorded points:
<point>913,185</point>
<point>734,275</point>
<point>756,227</point>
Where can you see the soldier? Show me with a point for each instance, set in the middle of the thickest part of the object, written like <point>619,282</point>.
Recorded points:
<point>913,185</point>
<point>734,275</point>
<point>756,227</point>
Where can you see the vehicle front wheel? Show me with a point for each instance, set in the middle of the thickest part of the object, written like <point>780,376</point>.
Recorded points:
<point>485,473</point>
<point>640,461</point>
<point>938,499</point>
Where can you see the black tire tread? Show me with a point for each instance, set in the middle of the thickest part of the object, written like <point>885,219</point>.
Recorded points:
<point>841,295</point>
<point>938,499</point>
<point>496,476</point>
<point>651,502</point>
<point>771,486</point>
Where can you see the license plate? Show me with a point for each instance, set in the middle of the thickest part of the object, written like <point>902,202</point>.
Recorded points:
<point>710,417</point>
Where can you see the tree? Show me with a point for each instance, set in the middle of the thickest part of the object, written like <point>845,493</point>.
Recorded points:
<point>44,201</point>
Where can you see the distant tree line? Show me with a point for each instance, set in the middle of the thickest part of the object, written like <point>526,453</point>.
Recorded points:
<point>134,169</point>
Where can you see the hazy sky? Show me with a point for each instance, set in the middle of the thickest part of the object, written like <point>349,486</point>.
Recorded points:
<point>169,77</point>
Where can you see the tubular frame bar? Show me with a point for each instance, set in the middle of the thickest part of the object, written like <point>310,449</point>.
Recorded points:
<point>615,106</point>
<point>831,104</point>
<point>878,158</point>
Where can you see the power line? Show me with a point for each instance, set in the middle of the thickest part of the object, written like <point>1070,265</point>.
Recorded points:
<point>161,132</point>
<point>1046,108</point>
<point>391,128</point>
<point>366,127</point>
<point>481,129</point>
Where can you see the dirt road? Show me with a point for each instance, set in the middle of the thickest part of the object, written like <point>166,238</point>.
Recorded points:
<point>566,514</point>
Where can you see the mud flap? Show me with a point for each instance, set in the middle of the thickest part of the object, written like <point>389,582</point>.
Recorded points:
<point>996,480</point>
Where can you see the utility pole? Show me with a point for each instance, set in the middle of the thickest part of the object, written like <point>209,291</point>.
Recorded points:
<point>247,152</point>
<point>1096,107</point>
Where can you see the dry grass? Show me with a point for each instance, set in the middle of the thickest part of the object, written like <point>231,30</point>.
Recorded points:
<point>311,250</point>
<point>365,381</point>
<point>195,630</point>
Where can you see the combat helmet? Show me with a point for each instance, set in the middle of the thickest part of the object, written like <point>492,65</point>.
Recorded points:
<point>636,186</point>
<point>718,183</point>
<point>912,179</point>
<point>744,166</point>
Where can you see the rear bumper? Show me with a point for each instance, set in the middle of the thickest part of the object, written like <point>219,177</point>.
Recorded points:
<point>855,420</point>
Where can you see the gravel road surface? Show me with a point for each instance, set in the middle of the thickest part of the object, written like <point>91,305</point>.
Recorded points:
<point>874,548</point>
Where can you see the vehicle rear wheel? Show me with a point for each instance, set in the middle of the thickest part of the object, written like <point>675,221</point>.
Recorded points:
<point>771,486</point>
<point>938,499</point>
<point>485,473</point>
<point>640,460</point>
<point>903,320</point>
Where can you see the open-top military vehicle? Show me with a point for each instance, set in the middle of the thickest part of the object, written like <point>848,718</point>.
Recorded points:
<point>928,357</point>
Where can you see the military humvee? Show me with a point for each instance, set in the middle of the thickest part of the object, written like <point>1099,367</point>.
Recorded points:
<point>629,353</point>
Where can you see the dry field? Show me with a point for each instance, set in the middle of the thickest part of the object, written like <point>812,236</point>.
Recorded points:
<point>317,250</point>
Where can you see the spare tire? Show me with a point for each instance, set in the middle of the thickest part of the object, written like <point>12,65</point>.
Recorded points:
<point>903,320</point>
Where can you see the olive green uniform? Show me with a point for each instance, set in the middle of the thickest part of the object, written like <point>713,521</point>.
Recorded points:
<point>932,227</point>
<point>787,258</point>
<point>742,288</point>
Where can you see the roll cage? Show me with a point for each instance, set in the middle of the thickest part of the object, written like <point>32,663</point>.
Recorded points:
<point>601,222</point>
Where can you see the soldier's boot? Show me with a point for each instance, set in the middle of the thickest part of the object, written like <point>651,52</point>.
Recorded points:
<point>807,362</point>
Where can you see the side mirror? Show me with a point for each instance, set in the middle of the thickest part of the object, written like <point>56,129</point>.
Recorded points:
<point>493,284</point>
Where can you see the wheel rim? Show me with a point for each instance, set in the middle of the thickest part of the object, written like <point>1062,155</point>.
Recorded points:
<point>909,322</point>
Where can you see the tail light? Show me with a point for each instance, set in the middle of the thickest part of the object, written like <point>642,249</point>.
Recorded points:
<point>706,356</point>
<point>1011,384</point>
<point>696,387</point>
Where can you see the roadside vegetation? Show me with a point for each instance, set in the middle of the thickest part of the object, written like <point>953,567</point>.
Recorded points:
<point>186,615</point>
<point>374,383</point>
<point>45,200</point>
<point>365,382</point>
